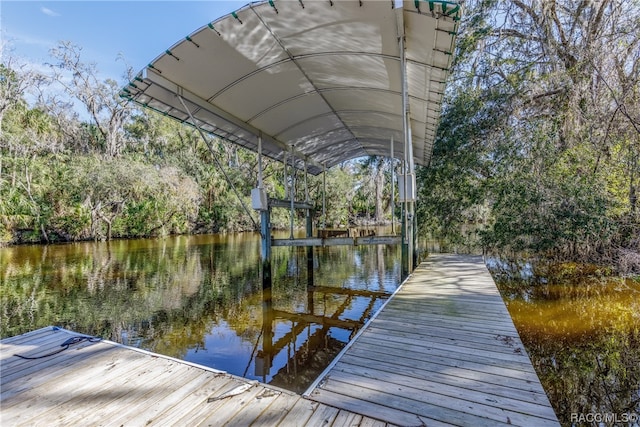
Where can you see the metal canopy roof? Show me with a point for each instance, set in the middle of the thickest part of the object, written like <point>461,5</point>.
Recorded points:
<point>321,78</point>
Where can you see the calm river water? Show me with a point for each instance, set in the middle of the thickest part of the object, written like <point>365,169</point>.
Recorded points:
<point>200,298</point>
<point>581,328</point>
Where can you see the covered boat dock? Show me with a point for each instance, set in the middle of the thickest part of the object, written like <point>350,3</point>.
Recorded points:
<point>313,84</point>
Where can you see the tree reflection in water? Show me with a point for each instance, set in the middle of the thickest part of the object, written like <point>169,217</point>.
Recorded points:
<point>200,298</point>
<point>581,328</point>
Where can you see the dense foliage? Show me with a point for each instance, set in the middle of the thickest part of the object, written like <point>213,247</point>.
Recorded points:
<point>540,136</point>
<point>538,148</point>
<point>78,163</point>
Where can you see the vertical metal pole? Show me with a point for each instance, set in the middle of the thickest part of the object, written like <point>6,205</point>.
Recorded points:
<point>411,247</point>
<point>404,263</point>
<point>260,161</point>
<point>265,229</point>
<point>306,186</point>
<point>412,206</point>
<point>284,168</point>
<point>406,267</point>
<point>309,212</point>
<point>292,192</point>
<point>265,233</point>
<point>265,236</point>
<point>324,194</point>
<point>414,240</point>
<point>393,190</point>
<point>309,248</point>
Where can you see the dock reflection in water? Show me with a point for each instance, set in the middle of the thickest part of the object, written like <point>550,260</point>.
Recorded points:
<point>313,339</point>
<point>200,298</point>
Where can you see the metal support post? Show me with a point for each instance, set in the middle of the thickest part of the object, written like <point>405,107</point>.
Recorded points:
<point>411,206</point>
<point>309,223</point>
<point>414,239</point>
<point>324,194</point>
<point>265,232</point>
<point>393,190</point>
<point>292,191</point>
<point>406,259</point>
<point>265,227</point>
<point>260,183</point>
<point>404,263</point>
<point>306,185</point>
<point>285,182</point>
<point>309,212</point>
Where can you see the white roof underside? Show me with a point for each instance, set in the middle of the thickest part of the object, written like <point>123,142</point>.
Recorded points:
<point>324,78</point>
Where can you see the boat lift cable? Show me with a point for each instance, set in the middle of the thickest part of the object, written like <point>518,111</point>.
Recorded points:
<point>215,159</point>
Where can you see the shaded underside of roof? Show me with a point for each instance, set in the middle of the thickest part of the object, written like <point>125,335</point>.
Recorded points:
<point>320,78</point>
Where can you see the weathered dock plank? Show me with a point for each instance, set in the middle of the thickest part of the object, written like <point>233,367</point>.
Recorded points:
<point>277,410</point>
<point>107,384</point>
<point>442,351</point>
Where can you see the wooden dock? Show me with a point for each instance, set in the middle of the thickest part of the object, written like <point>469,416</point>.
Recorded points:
<point>103,383</point>
<point>443,351</point>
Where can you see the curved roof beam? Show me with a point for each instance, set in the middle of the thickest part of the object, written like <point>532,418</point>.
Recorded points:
<point>321,91</point>
<point>397,117</point>
<point>297,58</point>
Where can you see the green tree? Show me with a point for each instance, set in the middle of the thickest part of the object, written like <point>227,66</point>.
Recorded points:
<point>372,189</point>
<point>536,131</point>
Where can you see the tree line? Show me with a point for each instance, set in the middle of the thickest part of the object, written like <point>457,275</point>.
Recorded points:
<point>539,141</point>
<point>78,163</point>
<point>538,149</point>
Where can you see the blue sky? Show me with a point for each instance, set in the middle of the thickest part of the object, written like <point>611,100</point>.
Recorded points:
<point>136,30</point>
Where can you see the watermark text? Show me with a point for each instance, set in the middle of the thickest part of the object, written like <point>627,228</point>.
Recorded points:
<point>605,417</point>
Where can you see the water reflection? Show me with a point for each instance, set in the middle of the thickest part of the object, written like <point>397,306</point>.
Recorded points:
<point>200,298</point>
<point>582,331</point>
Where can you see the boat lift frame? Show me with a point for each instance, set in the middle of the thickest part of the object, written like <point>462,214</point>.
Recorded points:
<point>262,203</point>
<point>407,196</point>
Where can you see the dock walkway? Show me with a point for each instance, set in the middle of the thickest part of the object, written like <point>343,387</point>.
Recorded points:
<point>443,351</point>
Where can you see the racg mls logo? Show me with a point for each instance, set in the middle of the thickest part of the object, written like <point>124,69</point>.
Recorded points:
<point>605,417</point>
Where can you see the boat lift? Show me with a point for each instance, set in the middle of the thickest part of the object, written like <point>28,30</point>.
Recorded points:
<point>313,84</point>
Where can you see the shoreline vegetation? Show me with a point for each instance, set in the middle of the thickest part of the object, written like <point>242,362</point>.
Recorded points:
<point>538,142</point>
<point>536,159</point>
<point>67,197</point>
